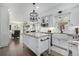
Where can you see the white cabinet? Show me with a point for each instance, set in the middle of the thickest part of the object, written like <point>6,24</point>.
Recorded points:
<point>4,27</point>
<point>61,41</point>
<point>31,43</point>
<point>37,45</point>
<point>74,47</point>
<point>43,44</point>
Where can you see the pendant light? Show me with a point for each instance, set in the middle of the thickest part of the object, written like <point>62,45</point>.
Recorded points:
<point>34,14</point>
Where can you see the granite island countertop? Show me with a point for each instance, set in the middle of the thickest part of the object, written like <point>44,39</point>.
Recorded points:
<point>36,34</point>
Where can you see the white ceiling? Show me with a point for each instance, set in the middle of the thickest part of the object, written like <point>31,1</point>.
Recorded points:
<point>20,11</point>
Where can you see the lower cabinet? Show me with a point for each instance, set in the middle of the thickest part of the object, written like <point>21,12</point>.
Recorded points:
<point>74,49</point>
<point>37,45</point>
<point>61,42</point>
<point>43,44</point>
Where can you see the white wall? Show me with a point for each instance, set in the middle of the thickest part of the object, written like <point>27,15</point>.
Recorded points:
<point>4,27</point>
<point>75,16</point>
<point>50,21</point>
<point>72,8</point>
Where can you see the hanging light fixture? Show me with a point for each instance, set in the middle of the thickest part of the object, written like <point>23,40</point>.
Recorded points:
<point>33,14</point>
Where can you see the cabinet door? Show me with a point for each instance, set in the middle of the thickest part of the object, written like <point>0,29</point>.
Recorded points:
<point>43,44</point>
<point>74,49</point>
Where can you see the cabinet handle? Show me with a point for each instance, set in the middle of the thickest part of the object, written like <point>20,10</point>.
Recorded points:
<point>44,39</point>
<point>47,37</point>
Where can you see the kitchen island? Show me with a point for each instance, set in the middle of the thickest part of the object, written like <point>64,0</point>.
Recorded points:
<point>37,42</point>
<point>40,42</point>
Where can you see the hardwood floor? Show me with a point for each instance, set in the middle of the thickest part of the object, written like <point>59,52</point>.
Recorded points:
<point>53,53</point>
<point>17,48</point>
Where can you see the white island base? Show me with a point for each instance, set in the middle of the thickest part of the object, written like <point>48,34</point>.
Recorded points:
<point>38,43</point>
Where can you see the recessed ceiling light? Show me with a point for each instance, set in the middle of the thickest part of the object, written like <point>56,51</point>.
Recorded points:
<point>37,7</point>
<point>10,13</point>
<point>9,9</point>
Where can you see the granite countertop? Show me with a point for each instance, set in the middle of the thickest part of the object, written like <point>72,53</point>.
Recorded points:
<point>36,34</point>
<point>59,33</point>
<point>74,42</point>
